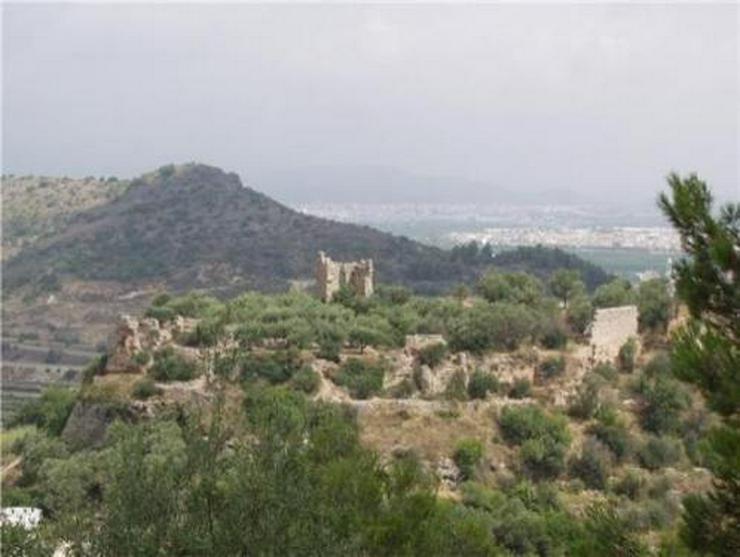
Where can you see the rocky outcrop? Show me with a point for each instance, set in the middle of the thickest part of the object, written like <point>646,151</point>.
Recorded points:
<point>134,337</point>
<point>87,425</point>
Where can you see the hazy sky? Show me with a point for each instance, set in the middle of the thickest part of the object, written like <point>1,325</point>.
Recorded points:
<point>592,98</point>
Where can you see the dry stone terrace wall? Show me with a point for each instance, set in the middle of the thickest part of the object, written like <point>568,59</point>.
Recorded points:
<point>611,328</point>
<point>332,275</point>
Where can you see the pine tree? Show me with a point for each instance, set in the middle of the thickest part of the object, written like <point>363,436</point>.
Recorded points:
<point>706,351</point>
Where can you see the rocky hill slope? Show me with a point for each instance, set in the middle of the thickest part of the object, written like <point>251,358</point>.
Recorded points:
<point>37,207</point>
<point>193,226</point>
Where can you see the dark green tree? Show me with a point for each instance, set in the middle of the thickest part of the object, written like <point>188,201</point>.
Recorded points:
<point>706,352</point>
<point>654,305</point>
<point>566,283</point>
<point>618,292</point>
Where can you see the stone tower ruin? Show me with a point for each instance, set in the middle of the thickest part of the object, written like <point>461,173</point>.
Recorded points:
<point>610,329</point>
<point>332,275</point>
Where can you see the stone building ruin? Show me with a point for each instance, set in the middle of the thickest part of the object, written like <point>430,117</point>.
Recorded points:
<point>333,275</point>
<point>610,329</point>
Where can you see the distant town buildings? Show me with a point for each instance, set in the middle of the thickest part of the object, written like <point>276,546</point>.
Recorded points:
<point>651,238</point>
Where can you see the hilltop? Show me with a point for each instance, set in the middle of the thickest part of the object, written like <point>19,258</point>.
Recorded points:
<point>194,226</point>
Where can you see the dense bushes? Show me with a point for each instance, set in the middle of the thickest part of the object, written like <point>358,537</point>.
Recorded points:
<point>517,312</point>
<point>593,465</point>
<point>481,383</point>
<point>659,452</point>
<point>306,380</point>
<point>433,354</point>
<point>627,356</point>
<point>587,400</point>
<point>520,388</point>
<point>362,378</point>
<point>274,367</point>
<point>615,436</point>
<point>663,402</point>
<point>501,326</point>
<point>551,367</point>
<point>467,456</point>
<point>305,486</point>
<point>50,411</point>
<point>144,389</point>
<point>543,439</point>
<point>654,305</point>
<point>515,288</point>
<point>618,292</point>
<point>171,366</point>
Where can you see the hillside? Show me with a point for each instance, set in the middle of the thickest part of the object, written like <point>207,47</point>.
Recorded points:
<point>86,250</point>
<point>425,417</point>
<point>194,226</point>
<point>36,207</point>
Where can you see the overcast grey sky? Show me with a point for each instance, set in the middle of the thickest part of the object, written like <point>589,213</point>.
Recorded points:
<point>605,99</point>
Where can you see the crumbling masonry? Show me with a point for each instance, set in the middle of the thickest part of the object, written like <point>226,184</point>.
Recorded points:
<point>333,275</point>
<point>610,329</point>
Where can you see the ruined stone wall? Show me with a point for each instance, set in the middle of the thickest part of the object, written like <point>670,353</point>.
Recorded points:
<point>332,275</point>
<point>610,329</point>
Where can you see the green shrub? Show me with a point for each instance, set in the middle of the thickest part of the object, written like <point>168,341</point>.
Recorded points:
<point>206,333</point>
<point>543,458</point>
<point>50,411</point>
<point>580,313</point>
<point>306,380</point>
<point>618,292</point>
<point>141,358</point>
<point>651,515</point>
<point>516,288</point>
<point>544,439</point>
<point>663,402</point>
<point>520,423</point>
<point>586,402</point>
<point>330,349</point>
<point>456,388</point>
<point>659,366</point>
<point>553,335</point>
<point>275,367</point>
<point>659,452</point>
<point>95,367</point>
<point>607,371</point>
<point>615,436</point>
<point>654,305</point>
<point>161,313</point>
<point>627,356</point>
<point>145,388</point>
<point>632,485</point>
<point>552,367</point>
<point>480,384</point>
<point>433,354</point>
<point>522,388</point>
<point>467,456</point>
<point>170,366</point>
<point>500,326</point>
<point>593,465</point>
<point>361,378</point>
<point>694,429</point>
<point>161,299</point>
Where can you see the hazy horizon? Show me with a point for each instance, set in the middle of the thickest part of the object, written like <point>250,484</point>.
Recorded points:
<point>380,102</point>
